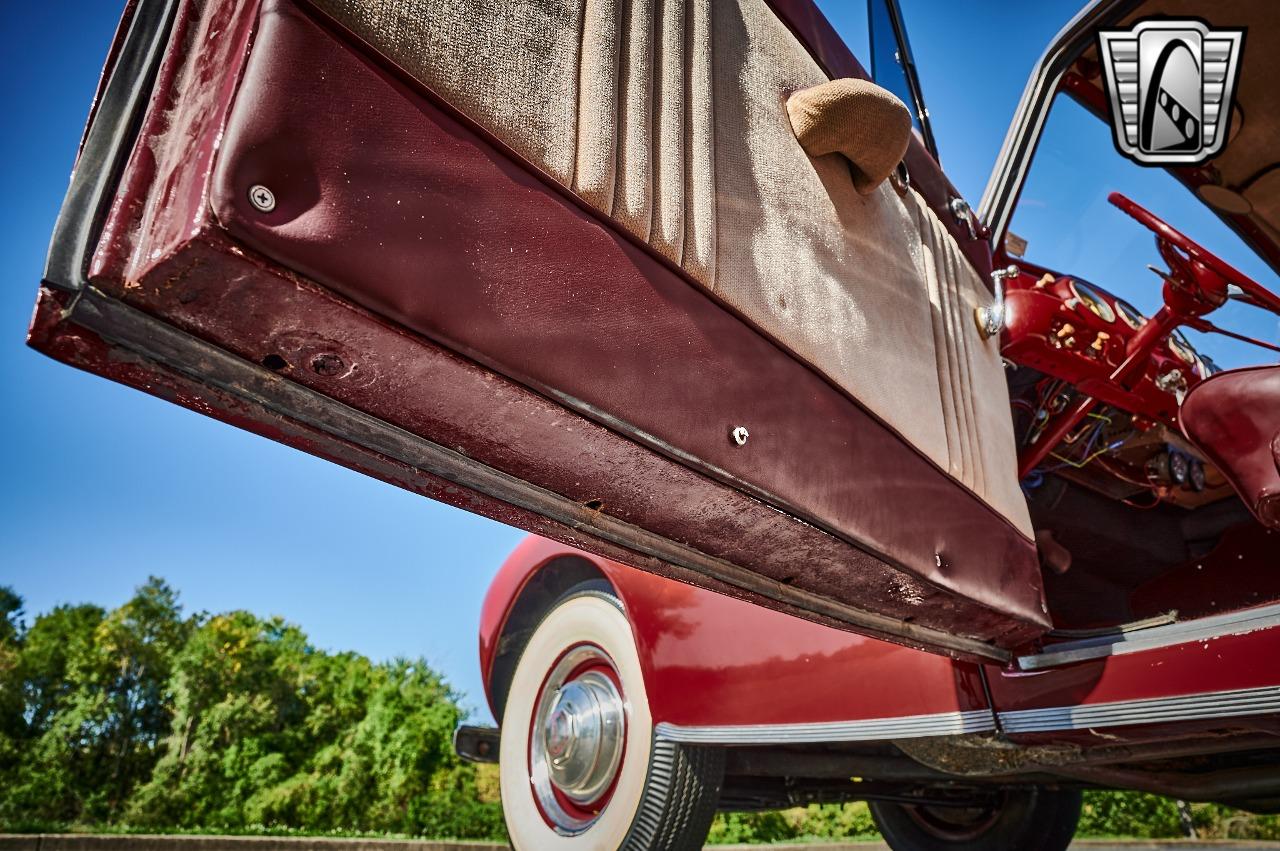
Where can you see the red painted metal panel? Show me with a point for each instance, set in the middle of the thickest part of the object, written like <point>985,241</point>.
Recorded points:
<point>715,660</point>
<point>1040,317</point>
<point>1233,662</point>
<point>711,659</point>
<point>1223,664</point>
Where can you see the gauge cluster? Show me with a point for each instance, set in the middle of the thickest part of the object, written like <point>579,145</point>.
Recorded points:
<point>1069,329</point>
<point>1071,337</point>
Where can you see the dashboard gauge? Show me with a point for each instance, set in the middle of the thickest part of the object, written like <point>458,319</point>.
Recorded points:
<point>1195,476</point>
<point>1130,315</point>
<point>1179,346</point>
<point>1094,300</point>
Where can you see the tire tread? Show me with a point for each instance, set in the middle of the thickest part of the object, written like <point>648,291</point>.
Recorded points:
<point>681,793</point>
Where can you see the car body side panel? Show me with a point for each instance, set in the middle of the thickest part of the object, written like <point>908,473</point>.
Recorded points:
<point>716,660</point>
<point>713,660</point>
<point>1232,662</point>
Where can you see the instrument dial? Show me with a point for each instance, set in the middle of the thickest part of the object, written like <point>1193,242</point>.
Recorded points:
<point>1179,346</point>
<point>1094,300</point>
<point>1130,315</point>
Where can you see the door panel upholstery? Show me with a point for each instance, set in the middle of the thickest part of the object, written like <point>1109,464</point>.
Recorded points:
<point>431,308</point>
<point>670,118</point>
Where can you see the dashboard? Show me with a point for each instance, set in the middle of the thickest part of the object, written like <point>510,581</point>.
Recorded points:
<point>1072,330</point>
<point>1069,338</point>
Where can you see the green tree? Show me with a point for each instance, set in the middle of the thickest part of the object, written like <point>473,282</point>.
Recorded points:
<point>13,726</point>
<point>50,773</point>
<point>815,821</point>
<point>10,616</point>
<point>239,714</point>
<point>94,704</point>
<point>266,730</point>
<point>1129,814</point>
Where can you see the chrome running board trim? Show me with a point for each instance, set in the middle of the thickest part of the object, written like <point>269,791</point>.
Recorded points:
<point>870,729</point>
<point>1152,638</point>
<point>1157,710</point>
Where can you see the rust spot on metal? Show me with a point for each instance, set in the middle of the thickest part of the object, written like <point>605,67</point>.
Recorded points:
<point>328,365</point>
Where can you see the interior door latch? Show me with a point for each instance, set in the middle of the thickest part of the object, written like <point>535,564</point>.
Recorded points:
<point>991,319</point>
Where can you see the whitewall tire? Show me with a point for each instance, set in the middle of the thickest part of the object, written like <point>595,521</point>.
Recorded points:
<point>579,765</point>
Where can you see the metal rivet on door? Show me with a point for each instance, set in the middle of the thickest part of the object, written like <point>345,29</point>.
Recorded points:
<point>262,198</point>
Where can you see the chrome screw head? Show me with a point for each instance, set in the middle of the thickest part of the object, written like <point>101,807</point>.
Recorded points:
<point>262,198</point>
<point>740,435</point>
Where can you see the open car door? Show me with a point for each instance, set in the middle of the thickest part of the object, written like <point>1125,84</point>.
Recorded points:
<point>564,264</point>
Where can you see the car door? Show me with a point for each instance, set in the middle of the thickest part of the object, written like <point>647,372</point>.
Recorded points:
<point>566,265</point>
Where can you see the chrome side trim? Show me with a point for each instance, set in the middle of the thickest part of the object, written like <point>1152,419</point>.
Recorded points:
<point>870,729</point>
<point>1158,710</point>
<point>1152,638</point>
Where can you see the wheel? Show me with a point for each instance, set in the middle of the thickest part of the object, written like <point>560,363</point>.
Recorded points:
<point>1031,819</point>
<point>579,765</point>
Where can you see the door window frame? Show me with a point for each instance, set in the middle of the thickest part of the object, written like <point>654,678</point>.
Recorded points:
<point>905,61</point>
<point>1009,173</point>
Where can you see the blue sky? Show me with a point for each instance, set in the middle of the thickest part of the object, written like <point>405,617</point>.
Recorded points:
<point>103,485</point>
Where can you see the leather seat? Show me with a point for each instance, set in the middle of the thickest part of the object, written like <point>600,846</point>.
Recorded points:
<point>1234,419</point>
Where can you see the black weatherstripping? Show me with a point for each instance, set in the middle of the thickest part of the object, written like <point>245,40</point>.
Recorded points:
<point>107,144</point>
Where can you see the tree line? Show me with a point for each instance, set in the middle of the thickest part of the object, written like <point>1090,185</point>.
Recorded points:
<point>146,718</point>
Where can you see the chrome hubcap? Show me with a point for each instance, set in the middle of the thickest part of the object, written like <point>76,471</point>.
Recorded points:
<point>583,736</point>
<point>578,733</point>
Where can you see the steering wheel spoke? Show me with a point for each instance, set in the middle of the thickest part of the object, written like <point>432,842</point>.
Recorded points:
<point>1194,264</point>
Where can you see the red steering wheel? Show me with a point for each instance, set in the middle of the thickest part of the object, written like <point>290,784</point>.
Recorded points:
<point>1167,236</point>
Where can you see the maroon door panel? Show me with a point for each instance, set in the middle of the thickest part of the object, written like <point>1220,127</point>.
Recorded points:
<point>408,213</point>
<point>418,299</point>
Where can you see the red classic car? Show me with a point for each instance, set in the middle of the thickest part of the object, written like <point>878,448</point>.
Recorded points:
<point>839,496</point>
